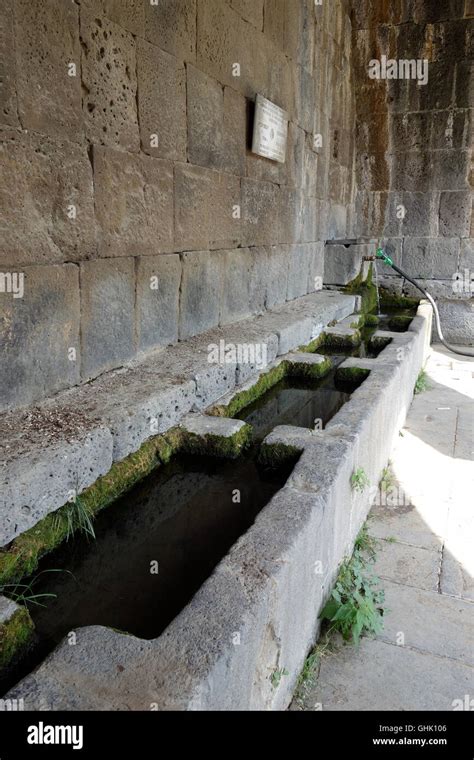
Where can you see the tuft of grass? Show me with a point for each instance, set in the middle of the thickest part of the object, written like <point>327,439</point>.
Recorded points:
<point>77,518</point>
<point>421,382</point>
<point>355,606</point>
<point>359,480</point>
<point>310,670</point>
<point>25,594</point>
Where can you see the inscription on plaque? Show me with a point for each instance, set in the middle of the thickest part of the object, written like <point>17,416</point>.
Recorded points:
<point>270,131</point>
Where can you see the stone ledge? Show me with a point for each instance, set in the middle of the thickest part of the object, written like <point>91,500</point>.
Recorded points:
<point>106,420</point>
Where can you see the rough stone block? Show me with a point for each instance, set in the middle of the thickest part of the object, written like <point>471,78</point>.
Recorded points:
<point>457,319</point>
<point>44,182</point>
<point>259,212</point>
<point>216,124</point>
<point>130,15</point>
<point>192,359</point>
<point>157,300</point>
<point>290,215</point>
<point>161,103</point>
<point>300,261</point>
<point>134,203</point>
<point>8,91</point>
<point>107,306</point>
<point>431,257</point>
<point>337,223</point>
<point>201,292</point>
<point>451,168</point>
<point>133,404</point>
<point>207,206</point>
<point>303,84</point>
<point>245,278</point>
<point>225,39</point>
<point>455,214</point>
<point>466,259</point>
<point>214,436</point>
<point>277,275</point>
<point>421,214</point>
<point>47,42</point>
<point>37,332</point>
<point>250,10</point>
<point>45,457</point>
<point>235,132</point>
<point>109,83</point>
<point>316,267</point>
<point>464,92</point>
<point>451,129</point>
<point>413,171</point>
<point>342,263</point>
<point>171,25</point>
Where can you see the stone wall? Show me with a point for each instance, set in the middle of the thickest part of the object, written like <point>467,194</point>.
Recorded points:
<point>132,206</point>
<point>414,147</point>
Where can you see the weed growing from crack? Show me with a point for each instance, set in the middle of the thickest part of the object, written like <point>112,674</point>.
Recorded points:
<point>277,675</point>
<point>387,481</point>
<point>78,518</point>
<point>355,606</point>
<point>359,480</point>
<point>421,383</point>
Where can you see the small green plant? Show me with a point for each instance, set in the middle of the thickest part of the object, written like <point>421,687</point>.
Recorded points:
<point>309,671</point>
<point>24,593</point>
<point>277,675</point>
<point>421,382</point>
<point>359,480</point>
<point>77,518</point>
<point>387,481</point>
<point>365,544</point>
<point>356,603</point>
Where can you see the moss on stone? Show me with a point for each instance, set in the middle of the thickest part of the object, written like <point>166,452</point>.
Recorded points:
<point>364,288</point>
<point>312,347</point>
<point>275,455</point>
<point>25,552</point>
<point>371,320</point>
<point>216,445</point>
<point>399,323</point>
<point>390,300</point>
<point>15,636</point>
<point>313,371</point>
<point>352,375</point>
<point>378,342</point>
<point>344,340</point>
<point>248,396</point>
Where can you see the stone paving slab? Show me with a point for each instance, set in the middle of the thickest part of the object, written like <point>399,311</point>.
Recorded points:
<point>406,523</point>
<point>423,659</point>
<point>386,677</point>
<point>410,565</point>
<point>429,622</point>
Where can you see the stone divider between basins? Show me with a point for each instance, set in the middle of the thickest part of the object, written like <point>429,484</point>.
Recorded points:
<point>257,615</point>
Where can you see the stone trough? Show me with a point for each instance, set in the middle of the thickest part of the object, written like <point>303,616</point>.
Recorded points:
<point>257,614</point>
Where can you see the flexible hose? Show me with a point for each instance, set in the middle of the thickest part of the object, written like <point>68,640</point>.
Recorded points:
<point>389,261</point>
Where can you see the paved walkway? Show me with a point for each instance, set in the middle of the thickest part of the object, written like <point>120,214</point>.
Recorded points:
<point>424,657</point>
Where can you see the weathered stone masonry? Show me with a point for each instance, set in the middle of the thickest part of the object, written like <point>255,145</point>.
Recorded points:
<point>136,170</point>
<point>414,146</point>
